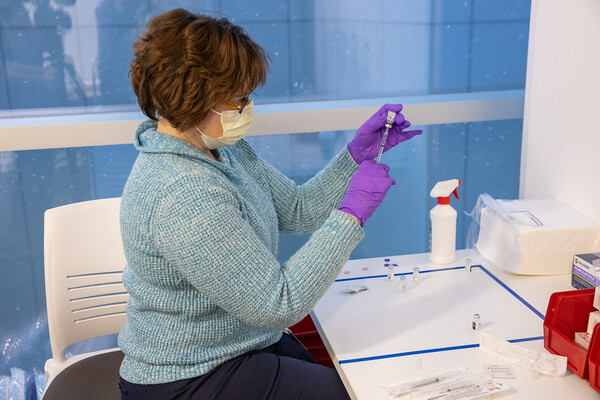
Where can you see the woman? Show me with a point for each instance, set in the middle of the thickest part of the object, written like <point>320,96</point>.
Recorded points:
<point>200,219</point>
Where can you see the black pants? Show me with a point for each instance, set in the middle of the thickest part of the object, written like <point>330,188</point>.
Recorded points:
<point>285,371</point>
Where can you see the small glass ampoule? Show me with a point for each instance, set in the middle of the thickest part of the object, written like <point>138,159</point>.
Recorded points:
<point>476,322</point>
<point>416,275</point>
<point>403,283</point>
<point>468,265</point>
<point>390,273</point>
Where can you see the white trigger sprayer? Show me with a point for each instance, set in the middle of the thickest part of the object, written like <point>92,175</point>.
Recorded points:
<point>389,120</point>
<point>443,222</point>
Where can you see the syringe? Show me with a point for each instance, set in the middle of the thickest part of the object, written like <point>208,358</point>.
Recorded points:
<point>389,120</point>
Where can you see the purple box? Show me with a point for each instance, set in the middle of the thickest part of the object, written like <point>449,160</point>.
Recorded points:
<point>586,271</point>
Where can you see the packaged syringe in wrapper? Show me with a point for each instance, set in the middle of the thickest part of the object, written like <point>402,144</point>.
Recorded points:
<point>457,384</point>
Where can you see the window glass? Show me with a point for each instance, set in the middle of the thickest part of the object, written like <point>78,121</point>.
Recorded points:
<point>68,53</point>
<point>59,54</point>
<point>485,155</point>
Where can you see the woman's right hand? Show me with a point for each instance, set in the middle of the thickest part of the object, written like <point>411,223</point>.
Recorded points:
<point>366,191</point>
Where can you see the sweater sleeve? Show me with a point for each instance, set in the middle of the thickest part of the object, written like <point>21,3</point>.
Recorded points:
<point>200,229</point>
<point>304,208</point>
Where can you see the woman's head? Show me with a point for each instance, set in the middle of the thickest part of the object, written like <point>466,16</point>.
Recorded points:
<point>185,64</point>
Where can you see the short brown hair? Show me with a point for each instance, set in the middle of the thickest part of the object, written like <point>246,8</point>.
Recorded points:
<point>186,64</point>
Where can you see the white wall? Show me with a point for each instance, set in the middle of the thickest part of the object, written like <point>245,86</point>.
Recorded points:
<point>561,137</point>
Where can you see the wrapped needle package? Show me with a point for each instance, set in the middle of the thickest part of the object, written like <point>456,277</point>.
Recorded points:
<point>531,236</point>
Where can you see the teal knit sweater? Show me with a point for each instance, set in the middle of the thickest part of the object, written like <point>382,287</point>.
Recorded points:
<point>200,237</point>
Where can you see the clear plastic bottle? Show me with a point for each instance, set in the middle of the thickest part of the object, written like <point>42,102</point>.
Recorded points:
<point>443,222</point>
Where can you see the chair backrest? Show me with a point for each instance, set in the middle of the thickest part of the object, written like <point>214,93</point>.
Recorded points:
<point>83,265</point>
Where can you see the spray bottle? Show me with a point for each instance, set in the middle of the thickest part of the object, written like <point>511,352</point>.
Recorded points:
<point>443,222</point>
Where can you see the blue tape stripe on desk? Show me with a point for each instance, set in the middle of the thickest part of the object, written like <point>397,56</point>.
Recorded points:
<point>411,353</point>
<point>402,273</point>
<point>522,300</point>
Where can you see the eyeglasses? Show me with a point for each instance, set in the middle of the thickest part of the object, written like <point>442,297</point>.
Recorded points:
<point>240,107</point>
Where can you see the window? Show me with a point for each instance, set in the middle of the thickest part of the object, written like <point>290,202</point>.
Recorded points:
<point>63,57</point>
<point>69,54</point>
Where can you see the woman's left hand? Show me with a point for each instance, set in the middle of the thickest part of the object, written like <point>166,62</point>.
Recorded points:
<point>367,141</point>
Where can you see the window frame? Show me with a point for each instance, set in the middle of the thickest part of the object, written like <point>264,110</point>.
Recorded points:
<point>101,129</point>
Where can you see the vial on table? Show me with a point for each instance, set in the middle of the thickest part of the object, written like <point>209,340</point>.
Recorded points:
<point>468,265</point>
<point>416,275</point>
<point>403,283</point>
<point>476,322</point>
<point>391,272</point>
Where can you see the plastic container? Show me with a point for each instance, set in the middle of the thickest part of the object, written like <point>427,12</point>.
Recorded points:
<point>321,356</point>
<point>594,359</point>
<point>443,222</point>
<point>306,332</point>
<point>568,312</point>
<point>310,340</point>
<point>304,326</point>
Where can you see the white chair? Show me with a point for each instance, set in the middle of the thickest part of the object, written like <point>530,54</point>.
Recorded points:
<point>85,297</point>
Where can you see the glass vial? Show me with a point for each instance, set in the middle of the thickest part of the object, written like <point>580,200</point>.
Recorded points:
<point>468,265</point>
<point>416,275</point>
<point>403,283</point>
<point>391,272</point>
<point>476,322</point>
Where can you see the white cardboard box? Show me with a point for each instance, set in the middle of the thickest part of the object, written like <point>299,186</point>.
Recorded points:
<point>583,339</point>
<point>592,321</point>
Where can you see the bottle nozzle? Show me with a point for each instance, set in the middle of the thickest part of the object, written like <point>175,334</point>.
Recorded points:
<point>444,189</point>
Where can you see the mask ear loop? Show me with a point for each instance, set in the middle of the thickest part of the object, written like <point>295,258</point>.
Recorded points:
<point>198,129</point>
<point>214,153</point>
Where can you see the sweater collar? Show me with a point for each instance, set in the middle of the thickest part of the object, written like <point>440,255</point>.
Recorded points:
<point>149,140</point>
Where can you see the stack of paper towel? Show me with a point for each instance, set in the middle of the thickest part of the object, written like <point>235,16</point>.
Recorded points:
<point>535,237</point>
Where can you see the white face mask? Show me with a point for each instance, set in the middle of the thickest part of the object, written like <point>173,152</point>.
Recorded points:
<point>235,126</point>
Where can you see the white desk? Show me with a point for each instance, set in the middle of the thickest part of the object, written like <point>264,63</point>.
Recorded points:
<point>384,335</point>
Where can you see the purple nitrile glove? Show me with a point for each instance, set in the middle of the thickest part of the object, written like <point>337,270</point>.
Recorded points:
<point>367,189</point>
<point>366,142</point>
